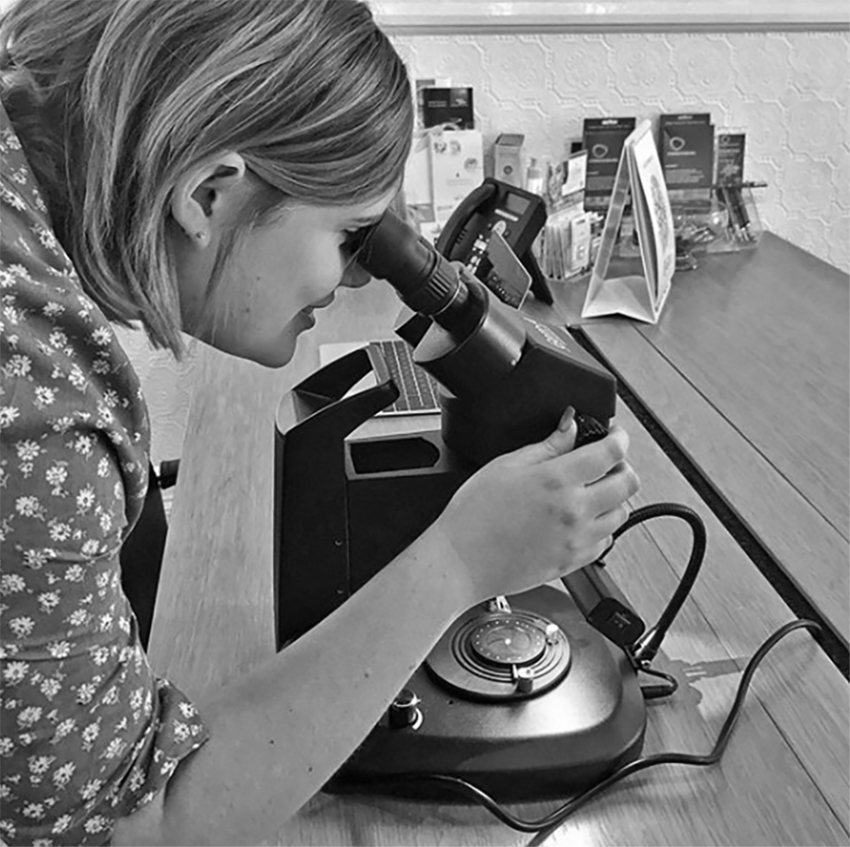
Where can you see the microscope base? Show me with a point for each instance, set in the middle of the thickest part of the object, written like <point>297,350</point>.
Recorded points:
<point>586,719</point>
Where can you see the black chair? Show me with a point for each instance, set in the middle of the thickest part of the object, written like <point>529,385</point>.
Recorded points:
<point>141,553</point>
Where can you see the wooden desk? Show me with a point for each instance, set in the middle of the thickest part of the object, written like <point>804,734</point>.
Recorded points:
<point>784,778</point>
<point>748,371</point>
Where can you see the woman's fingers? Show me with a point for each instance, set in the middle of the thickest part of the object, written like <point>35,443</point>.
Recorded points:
<point>609,522</point>
<point>613,489</point>
<point>591,462</point>
<point>558,443</point>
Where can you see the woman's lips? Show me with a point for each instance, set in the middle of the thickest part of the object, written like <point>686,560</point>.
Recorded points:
<point>322,303</point>
<point>307,311</point>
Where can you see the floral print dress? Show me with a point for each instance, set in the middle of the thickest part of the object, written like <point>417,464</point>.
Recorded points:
<point>87,732</point>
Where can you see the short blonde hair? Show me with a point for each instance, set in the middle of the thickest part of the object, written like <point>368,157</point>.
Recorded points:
<point>130,93</point>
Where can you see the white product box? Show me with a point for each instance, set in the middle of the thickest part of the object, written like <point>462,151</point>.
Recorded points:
<point>509,159</point>
<point>457,167</point>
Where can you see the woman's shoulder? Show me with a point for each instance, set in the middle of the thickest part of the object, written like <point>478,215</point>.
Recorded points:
<point>55,339</point>
<point>63,367</point>
<point>36,275</point>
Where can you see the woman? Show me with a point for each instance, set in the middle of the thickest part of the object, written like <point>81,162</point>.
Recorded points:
<point>198,166</point>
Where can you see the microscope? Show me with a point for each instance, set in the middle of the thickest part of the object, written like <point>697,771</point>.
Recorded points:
<point>527,696</point>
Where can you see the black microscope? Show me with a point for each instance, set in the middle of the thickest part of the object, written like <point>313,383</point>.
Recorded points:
<point>527,696</point>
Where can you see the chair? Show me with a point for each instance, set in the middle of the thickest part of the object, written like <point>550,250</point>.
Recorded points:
<point>141,553</point>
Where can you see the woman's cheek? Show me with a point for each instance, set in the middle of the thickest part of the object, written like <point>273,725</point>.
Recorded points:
<point>354,276</point>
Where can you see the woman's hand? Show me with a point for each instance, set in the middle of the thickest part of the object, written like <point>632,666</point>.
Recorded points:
<point>536,514</point>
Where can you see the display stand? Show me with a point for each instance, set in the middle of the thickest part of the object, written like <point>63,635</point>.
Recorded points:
<point>639,296</point>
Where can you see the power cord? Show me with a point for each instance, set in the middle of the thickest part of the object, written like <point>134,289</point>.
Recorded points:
<point>607,610</point>
<point>556,818</point>
<point>647,646</point>
<point>657,690</point>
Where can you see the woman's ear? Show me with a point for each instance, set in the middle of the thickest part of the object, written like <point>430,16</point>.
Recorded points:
<point>205,196</point>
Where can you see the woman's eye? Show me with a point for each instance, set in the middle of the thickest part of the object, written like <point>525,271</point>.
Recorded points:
<point>353,239</point>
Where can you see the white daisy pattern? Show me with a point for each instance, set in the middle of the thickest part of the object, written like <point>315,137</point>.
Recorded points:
<point>89,733</point>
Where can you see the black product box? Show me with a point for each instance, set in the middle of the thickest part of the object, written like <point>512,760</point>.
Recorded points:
<point>603,139</point>
<point>687,151</point>
<point>730,157</point>
<point>447,106</point>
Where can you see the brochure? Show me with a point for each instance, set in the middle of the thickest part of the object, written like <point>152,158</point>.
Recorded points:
<point>687,151</point>
<point>603,138</point>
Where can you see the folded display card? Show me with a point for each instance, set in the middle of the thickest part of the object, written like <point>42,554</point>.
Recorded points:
<point>636,296</point>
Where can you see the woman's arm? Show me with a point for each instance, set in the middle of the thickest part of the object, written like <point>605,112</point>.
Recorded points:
<point>278,734</point>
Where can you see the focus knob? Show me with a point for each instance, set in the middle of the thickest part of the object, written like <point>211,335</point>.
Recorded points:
<point>404,711</point>
<point>524,680</point>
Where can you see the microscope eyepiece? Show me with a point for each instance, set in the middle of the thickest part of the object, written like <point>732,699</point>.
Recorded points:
<point>426,281</point>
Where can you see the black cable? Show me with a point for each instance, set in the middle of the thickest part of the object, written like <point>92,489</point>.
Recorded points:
<point>559,815</point>
<point>644,651</point>
<point>656,690</point>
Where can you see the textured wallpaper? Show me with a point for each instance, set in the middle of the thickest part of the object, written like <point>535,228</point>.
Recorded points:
<point>790,92</point>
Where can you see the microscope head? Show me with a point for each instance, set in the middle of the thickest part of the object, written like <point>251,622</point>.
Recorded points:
<point>507,377</point>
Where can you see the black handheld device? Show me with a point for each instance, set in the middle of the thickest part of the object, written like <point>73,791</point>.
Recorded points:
<point>496,206</point>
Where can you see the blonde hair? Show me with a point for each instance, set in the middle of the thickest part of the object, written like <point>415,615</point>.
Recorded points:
<point>115,99</point>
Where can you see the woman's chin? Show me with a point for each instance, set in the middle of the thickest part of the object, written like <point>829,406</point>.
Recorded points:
<point>274,355</point>
<point>270,353</point>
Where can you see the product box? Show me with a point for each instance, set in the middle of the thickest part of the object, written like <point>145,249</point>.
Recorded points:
<point>730,157</point>
<point>447,106</point>
<point>421,84</point>
<point>580,242</point>
<point>509,159</point>
<point>603,138</point>
<point>570,183</point>
<point>567,240</point>
<point>564,182</point>
<point>567,236</point>
<point>686,150</point>
<point>457,167</point>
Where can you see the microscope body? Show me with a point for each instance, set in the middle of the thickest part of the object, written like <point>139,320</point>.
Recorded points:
<point>506,380</point>
<point>495,404</point>
<point>346,506</point>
